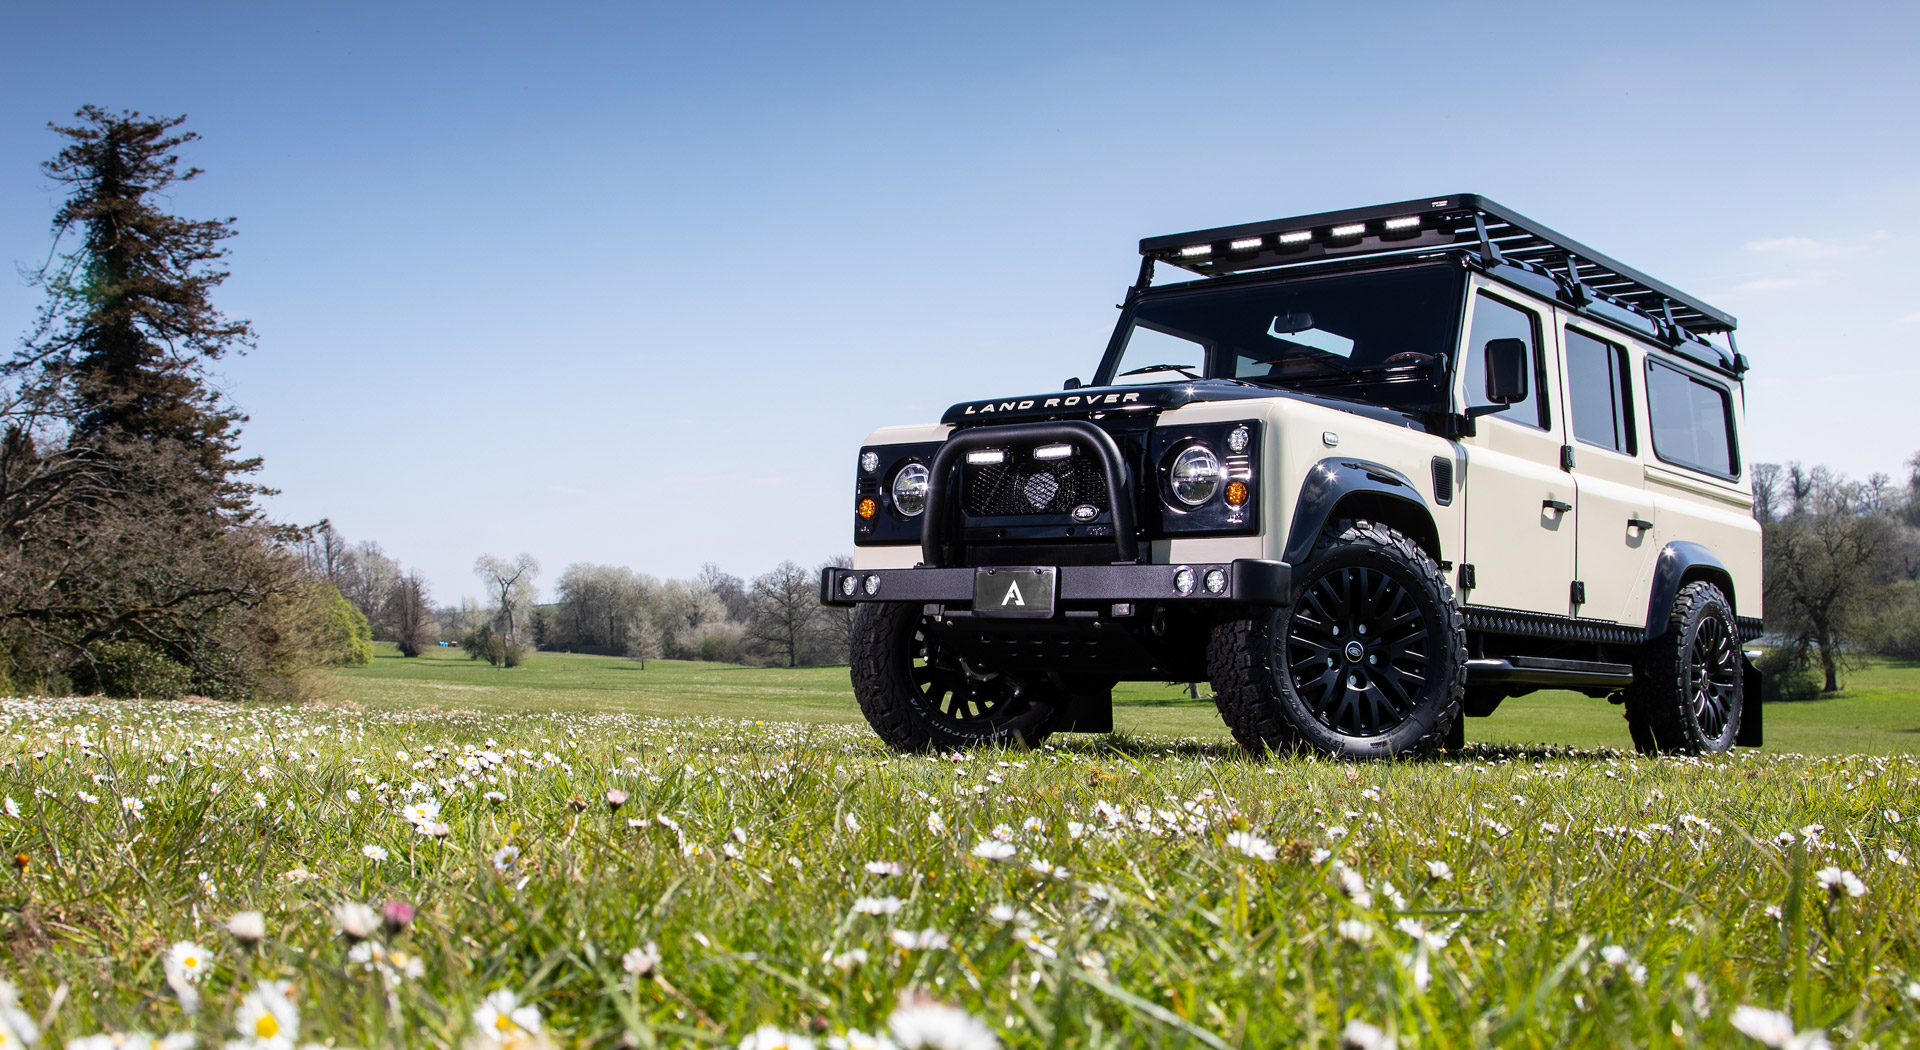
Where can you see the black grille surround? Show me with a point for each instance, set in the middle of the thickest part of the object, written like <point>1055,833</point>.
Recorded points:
<point>1024,485</point>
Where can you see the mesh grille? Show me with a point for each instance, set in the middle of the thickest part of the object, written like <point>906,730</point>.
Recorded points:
<point>1032,486</point>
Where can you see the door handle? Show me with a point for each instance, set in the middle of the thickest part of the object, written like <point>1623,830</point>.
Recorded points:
<point>1555,505</point>
<point>1639,523</point>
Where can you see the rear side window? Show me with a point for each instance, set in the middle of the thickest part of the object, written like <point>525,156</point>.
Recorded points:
<point>1597,393</point>
<point>1494,319</point>
<point>1691,421</point>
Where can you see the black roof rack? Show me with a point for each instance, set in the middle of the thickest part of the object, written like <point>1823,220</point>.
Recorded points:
<point>1465,220</point>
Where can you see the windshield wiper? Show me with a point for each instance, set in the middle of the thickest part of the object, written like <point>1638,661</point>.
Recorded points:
<point>1359,375</point>
<point>1182,369</point>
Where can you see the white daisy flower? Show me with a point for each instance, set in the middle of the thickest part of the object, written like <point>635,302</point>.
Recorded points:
<point>853,824</point>
<point>935,824</point>
<point>1252,845</point>
<point>133,806</point>
<point>189,960</point>
<point>994,849</point>
<point>500,1016</point>
<point>248,927</point>
<point>13,808</point>
<point>767,1037</point>
<point>1896,856</point>
<point>373,852</point>
<point>17,1027</point>
<point>921,1021</point>
<point>847,960</point>
<point>1839,880</point>
<point>1354,886</point>
<point>643,961</point>
<point>505,858</point>
<point>1037,944</point>
<point>494,797</point>
<point>878,905</point>
<point>925,940</point>
<point>1354,930</point>
<point>1774,1029</point>
<point>1440,869</point>
<point>356,920</point>
<point>425,811</point>
<point>884,867</point>
<point>855,1039</point>
<point>1359,1035</point>
<point>266,1019</point>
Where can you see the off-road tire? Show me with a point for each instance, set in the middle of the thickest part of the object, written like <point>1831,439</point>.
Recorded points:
<point>1688,688</point>
<point>887,638</point>
<point>1250,666</point>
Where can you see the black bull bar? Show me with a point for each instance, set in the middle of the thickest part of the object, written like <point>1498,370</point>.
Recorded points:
<point>936,580</point>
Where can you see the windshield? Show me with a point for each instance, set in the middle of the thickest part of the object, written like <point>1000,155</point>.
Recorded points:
<point>1374,336</point>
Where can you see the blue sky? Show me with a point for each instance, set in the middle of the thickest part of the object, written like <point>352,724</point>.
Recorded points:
<point>628,283</point>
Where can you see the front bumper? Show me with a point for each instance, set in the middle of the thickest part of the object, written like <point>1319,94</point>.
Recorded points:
<point>1250,581</point>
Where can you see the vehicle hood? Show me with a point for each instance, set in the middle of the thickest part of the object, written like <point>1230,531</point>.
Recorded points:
<point>1151,398</point>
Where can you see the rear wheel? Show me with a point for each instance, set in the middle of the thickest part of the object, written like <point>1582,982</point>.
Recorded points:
<point>1369,661</point>
<point>919,694</point>
<point>1688,689</point>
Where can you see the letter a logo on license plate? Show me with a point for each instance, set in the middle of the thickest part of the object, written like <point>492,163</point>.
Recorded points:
<point>1013,592</point>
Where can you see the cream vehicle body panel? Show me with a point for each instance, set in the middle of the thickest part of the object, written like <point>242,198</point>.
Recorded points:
<point>1521,549</point>
<point>1613,559</point>
<point>901,556</point>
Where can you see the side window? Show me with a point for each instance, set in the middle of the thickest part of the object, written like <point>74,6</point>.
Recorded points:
<point>1494,319</point>
<point>1597,393</point>
<point>1690,421</point>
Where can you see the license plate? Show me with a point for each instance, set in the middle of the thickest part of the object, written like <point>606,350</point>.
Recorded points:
<point>1013,592</point>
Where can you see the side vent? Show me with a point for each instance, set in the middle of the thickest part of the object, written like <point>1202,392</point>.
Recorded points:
<point>1442,480</point>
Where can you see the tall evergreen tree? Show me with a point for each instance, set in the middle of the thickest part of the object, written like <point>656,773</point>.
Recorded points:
<point>129,325</point>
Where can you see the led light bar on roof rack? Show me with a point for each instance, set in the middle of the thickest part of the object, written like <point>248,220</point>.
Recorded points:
<point>1464,221</point>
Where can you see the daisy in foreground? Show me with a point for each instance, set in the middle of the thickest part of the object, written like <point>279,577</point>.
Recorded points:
<point>504,1022</point>
<point>131,1041</point>
<point>1774,1029</point>
<point>266,1020</point>
<point>923,1021</point>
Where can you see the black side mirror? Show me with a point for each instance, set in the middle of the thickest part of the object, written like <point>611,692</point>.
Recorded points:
<point>1071,384</point>
<point>1506,371</point>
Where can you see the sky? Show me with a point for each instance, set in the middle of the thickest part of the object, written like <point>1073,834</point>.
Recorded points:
<point>629,283</point>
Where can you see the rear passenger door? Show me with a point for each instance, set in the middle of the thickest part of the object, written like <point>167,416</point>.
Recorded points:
<point>1519,542</point>
<point>1614,534</point>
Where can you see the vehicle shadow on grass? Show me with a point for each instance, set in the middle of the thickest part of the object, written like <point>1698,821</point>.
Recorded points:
<point>1127,745</point>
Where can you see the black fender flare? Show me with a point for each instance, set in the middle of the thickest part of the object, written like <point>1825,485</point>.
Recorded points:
<point>1676,560</point>
<point>1332,480</point>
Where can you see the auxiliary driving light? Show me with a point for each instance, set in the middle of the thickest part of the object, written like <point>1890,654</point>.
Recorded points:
<point>1183,579</point>
<point>849,585</point>
<point>1296,237</point>
<point>868,508</point>
<point>1216,581</point>
<point>986,457</point>
<point>873,584</point>
<point>869,461</point>
<point>1238,439</point>
<point>1404,222</point>
<point>1236,493</point>
<point>1053,452</point>
<point>1350,230</point>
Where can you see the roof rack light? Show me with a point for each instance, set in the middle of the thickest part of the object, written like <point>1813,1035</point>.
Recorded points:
<point>1465,222</point>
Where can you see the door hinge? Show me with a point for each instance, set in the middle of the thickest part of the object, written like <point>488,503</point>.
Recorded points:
<point>1566,457</point>
<point>1578,592</point>
<point>1466,576</point>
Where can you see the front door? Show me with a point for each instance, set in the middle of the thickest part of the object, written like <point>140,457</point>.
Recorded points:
<point>1520,507</point>
<point>1615,533</point>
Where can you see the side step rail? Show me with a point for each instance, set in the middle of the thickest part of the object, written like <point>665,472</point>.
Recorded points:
<point>1540,670</point>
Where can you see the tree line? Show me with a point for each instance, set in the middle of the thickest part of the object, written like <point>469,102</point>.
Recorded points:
<point>774,618</point>
<point>1842,572</point>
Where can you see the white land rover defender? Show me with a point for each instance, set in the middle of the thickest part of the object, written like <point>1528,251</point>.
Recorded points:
<point>1374,470</point>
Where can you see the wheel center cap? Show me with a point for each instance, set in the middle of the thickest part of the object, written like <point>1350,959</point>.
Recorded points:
<point>1355,652</point>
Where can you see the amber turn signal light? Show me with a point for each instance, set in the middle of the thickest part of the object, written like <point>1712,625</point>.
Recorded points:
<point>868,508</point>
<point>1236,492</point>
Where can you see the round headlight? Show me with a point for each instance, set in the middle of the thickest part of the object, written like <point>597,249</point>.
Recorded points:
<point>1196,475</point>
<point>869,461</point>
<point>910,489</point>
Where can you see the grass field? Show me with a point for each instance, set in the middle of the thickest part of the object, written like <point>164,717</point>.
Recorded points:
<point>1879,712</point>
<point>771,876</point>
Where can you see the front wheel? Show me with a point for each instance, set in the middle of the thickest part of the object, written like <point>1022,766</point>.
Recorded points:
<point>1369,661</point>
<point>919,694</point>
<point>1688,689</point>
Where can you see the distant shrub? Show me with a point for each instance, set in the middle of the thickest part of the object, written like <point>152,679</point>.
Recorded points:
<point>1788,674</point>
<point>345,637</point>
<point>131,670</point>
<point>1895,630</point>
<point>484,643</point>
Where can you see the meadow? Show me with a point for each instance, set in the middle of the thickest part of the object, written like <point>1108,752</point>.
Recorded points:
<point>575,853</point>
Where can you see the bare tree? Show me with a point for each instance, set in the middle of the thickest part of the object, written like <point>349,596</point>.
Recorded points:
<point>414,626</point>
<point>1766,492</point>
<point>1820,566</point>
<point>642,638</point>
<point>835,624</point>
<point>510,585</point>
<point>784,603</point>
<point>730,589</point>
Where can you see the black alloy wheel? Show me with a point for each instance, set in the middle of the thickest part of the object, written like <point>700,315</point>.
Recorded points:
<point>919,694</point>
<point>1370,660</point>
<point>1689,686</point>
<point>1356,651</point>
